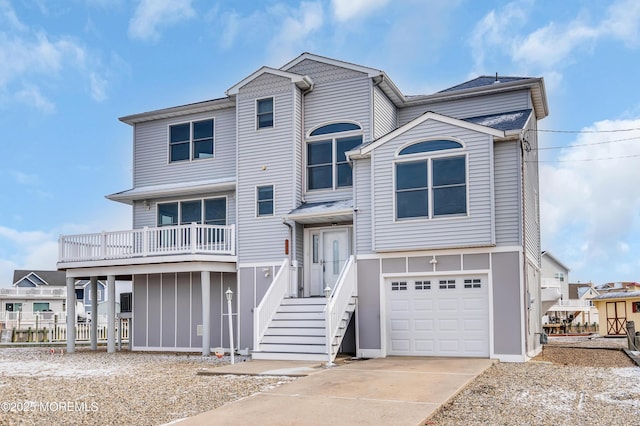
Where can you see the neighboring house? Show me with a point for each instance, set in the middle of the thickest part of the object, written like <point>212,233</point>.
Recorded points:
<point>554,274</point>
<point>615,308</point>
<point>83,293</point>
<point>34,291</point>
<point>340,213</point>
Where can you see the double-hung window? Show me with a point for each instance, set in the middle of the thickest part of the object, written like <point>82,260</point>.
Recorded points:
<point>431,180</point>
<point>264,200</point>
<point>264,113</point>
<point>193,140</point>
<point>327,165</point>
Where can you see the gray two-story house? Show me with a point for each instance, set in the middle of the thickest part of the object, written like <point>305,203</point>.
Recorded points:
<point>341,213</point>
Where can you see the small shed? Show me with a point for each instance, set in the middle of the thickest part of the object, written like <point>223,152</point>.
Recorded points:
<point>615,309</point>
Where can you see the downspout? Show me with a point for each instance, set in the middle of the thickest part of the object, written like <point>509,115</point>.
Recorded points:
<point>526,296</point>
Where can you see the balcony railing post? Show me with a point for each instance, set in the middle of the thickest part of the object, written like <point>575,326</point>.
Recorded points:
<point>232,238</point>
<point>194,234</point>
<point>145,241</point>
<point>103,245</point>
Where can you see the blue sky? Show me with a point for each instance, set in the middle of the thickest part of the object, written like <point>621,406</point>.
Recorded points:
<point>71,68</point>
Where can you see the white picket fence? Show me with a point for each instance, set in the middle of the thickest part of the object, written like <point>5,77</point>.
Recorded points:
<point>58,333</point>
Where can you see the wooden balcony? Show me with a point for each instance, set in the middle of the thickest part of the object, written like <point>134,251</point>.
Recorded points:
<point>147,242</point>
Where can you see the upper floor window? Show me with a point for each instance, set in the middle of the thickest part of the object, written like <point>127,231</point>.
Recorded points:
<point>327,165</point>
<point>264,113</point>
<point>559,276</point>
<point>427,185</point>
<point>264,200</point>
<point>210,211</point>
<point>191,140</point>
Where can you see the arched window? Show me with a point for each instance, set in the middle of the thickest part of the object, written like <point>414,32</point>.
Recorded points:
<point>327,166</point>
<point>433,184</point>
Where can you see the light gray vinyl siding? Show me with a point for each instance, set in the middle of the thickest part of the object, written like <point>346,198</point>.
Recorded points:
<point>362,171</point>
<point>507,319</point>
<point>508,202</point>
<point>265,157</point>
<point>473,230</point>
<point>470,107</point>
<point>344,100</point>
<point>385,114</point>
<point>321,72</point>
<point>298,134</point>
<point>149,217</point>
<point>369,304</point>
<point>531,197</point>
<point>151,151</point>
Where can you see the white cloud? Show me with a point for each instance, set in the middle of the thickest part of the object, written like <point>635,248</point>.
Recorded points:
<point>295,28</point>
<point>590,198</point>
<point>151,15</point>
<point>345,10</point>
<point>25,178</point>
<point>31,96</point>
<point>98,87</point>
<point>550,48</point>
<point>9,17</point>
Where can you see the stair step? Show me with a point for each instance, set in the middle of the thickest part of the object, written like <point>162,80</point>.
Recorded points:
<point>305,301</point>
<point>295,331</point>
<point>302,316</point>
<point>294,340</point>
<point>286,348</point>
<point>297,324</point>
<point>289,356</point>
<point>301,308</point>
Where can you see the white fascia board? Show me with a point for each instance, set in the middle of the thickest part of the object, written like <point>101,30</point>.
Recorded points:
<point>212,105</point>
<point>161,191</point>
<point>302,81</point>
<point>364,151</point>
<point>303,216</point>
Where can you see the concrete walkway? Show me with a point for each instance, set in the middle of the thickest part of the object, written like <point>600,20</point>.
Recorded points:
<point>390,391</point>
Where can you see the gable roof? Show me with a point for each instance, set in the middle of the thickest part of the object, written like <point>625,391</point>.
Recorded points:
<point>52,278</point>
<point>302,81</point>
<point>514,120</point>
<point>380,78</point>
<point>555,259</point>
<point>364,149</point>
<point>618,295</point>
<point>483,80</point>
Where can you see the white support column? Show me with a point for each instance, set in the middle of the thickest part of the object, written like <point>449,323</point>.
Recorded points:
<point>71,315</point>
<point>111,313</point>
<point>93,289</point>
<point>206,312</point>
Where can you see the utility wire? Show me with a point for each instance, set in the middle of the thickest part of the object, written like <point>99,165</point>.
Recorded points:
<point>587,144</point>
<point>584,159</point>
<point>583,131</point>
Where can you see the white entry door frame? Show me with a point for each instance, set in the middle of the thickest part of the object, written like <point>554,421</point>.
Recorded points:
<point>325,252</point>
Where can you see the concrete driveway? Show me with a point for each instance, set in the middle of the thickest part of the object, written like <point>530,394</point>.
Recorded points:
<point>391,391</point>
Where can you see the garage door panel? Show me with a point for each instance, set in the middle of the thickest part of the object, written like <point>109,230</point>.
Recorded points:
<point>428,318</point>
<point>423,325</point>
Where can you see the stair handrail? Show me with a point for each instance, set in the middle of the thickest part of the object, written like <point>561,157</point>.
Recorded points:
<point>270,302</point>
<point>344,290</point>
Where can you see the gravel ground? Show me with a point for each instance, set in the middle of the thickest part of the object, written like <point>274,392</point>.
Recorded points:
<point>574,381</point>
<point>88,388</point>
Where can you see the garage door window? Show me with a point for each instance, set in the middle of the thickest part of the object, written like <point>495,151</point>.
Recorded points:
<point>398,285</point>
<point>447,284</point>
<point>473,283</point>
<point>423,285</point>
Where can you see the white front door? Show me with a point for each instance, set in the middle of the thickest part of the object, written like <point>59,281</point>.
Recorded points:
<point>327,251</point>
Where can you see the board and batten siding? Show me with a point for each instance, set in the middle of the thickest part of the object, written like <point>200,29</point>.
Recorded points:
<point>385,114</point>
<point>336,101</point>
<point>472,230</point>
<point>265,157</point>
<point>508,196</point>
<point>151,151</point>
<point>363,202</point>
<point>470,107</point>
<point>143,216</point>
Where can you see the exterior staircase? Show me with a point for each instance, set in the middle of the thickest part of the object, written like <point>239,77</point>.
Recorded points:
<point>298,331</point>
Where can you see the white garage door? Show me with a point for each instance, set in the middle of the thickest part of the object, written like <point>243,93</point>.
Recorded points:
<point>442,316</point>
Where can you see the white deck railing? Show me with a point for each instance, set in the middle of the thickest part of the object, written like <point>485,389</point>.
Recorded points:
<point>165,240</point>
<point>571,304</point>
<point>270,302</point>
<point>337,305</point>
<point>34,291</point>
<point>58,333</point>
